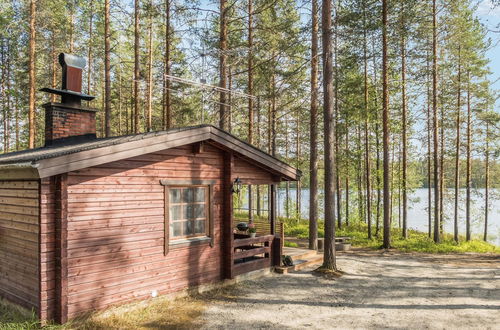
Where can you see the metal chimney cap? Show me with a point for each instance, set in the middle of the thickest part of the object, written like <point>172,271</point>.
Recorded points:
<point>72,60</point>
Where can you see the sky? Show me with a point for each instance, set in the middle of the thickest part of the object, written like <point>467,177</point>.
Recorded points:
<point>490,17</point>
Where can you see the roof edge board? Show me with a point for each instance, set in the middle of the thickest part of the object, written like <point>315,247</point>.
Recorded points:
<point>122,153</point>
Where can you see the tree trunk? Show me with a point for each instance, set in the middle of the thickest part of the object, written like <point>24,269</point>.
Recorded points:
<point>435,125</point>
<point>367,147</point>
<point>429,154</point>
<point>313,160</point>
<point>441,173</point>
<point>223,109</point>
<point>486,181</point>
<point>329,259</point>
<point>377,143</point>
<point>468,170</point>
<point>119,101</point>
<point>136,67</point>
<point>89,54</point>
<point>150,70</point>
<point>385,128</point>
<point>32,77</point>
<point>457,151</point>
<point>167,111</point>
<point>250,71</point>
<point>337,114</point>
<point>107,70</point>
<point>404,123</point>
<point>54,65</point>
<point>347,155</point>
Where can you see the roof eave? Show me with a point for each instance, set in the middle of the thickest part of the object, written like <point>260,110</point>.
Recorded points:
<point>19,171</point>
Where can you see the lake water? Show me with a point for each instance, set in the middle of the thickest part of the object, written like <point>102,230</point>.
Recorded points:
<point>417,210</point>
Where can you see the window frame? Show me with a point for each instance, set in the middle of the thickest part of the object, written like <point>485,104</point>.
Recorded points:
<point>209,223</point>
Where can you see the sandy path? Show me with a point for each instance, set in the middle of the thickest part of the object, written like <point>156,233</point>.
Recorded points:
<point>379,290</point>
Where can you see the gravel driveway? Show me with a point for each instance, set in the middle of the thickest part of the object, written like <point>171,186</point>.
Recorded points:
<point>379,290</point>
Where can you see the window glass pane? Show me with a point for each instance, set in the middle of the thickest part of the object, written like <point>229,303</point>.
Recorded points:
<point>188,228</point>
<point>198,211</point>
<point>199,226</point>
<point>175,212</point>
<point>176,228</point>
<point>175,195</point>
<point>199,194</point>
<point>188,195</point>
<point>187,210</point>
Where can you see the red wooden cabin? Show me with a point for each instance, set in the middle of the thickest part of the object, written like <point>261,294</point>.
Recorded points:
<point>86,223</point>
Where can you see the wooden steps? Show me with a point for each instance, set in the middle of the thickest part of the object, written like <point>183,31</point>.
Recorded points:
<point>301,258</point>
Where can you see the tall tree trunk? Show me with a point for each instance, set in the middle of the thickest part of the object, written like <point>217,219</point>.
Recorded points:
<point>298,155</point>
<point>89,54</point>
<point>54,65</point>
<point>32,76</point>
<point>435,125</point>
<point>72,27</point>
<point>377,143</point>
<point>107,70</point>
<point>346,166</point>
<point>223,109</point>
<point>404,123</point>
<point>167,111</point>
<point>150,70</point>
<point>441,173</point>
<point>360,173</point>
<point>329,259</point>
<point>385,128</point>
<point>337,114</point>
<point>273,113</point>
<point>250,71</point>
<point>468,170</point>
<point>8,97</point>
<point>486,181</point>
<point>137,74</point>
<point>457,150</point>
<point>367,147</point>
<point>119,100</point>
<point>250,90</point>
<point>5,107</point>
<point>429,153</point>
<point>313,159</point>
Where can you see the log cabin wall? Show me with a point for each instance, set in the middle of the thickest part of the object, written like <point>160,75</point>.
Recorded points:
<point>19,242</point>
<point>116,229</point>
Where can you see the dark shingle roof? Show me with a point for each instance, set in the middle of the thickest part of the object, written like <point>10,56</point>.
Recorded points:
<point>33,155</point>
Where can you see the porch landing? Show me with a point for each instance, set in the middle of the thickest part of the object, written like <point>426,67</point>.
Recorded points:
<point>301,258</point>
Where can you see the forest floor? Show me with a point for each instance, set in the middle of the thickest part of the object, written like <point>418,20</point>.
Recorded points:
<point>390,290</point>
<point>379,289</point>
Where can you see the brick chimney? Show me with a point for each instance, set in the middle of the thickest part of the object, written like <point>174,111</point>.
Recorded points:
<point>69,121</point>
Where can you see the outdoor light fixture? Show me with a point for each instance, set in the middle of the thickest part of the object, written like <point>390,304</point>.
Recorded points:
<point>236,186</point>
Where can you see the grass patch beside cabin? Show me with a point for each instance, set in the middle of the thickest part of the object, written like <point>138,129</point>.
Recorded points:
<point>158,313</point>
<point>416,242</point>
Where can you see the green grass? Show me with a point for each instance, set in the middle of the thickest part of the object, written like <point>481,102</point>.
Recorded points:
<point>12,317</point>
<point>416,241</point>
<point>291,244</point>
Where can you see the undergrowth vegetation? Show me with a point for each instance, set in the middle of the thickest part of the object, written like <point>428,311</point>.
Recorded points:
<point>416,241</point>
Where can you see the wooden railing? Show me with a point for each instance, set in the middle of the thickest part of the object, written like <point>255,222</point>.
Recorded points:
<point>251,253</point>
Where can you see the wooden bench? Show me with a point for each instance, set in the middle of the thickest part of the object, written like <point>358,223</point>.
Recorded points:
<point>342,243</point>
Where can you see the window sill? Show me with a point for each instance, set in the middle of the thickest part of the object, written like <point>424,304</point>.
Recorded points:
<point>189,241</point>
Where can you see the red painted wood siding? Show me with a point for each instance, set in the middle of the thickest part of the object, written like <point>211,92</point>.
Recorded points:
<point>116,230</point>
<point>250,173</point>
<point>19,237</point>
